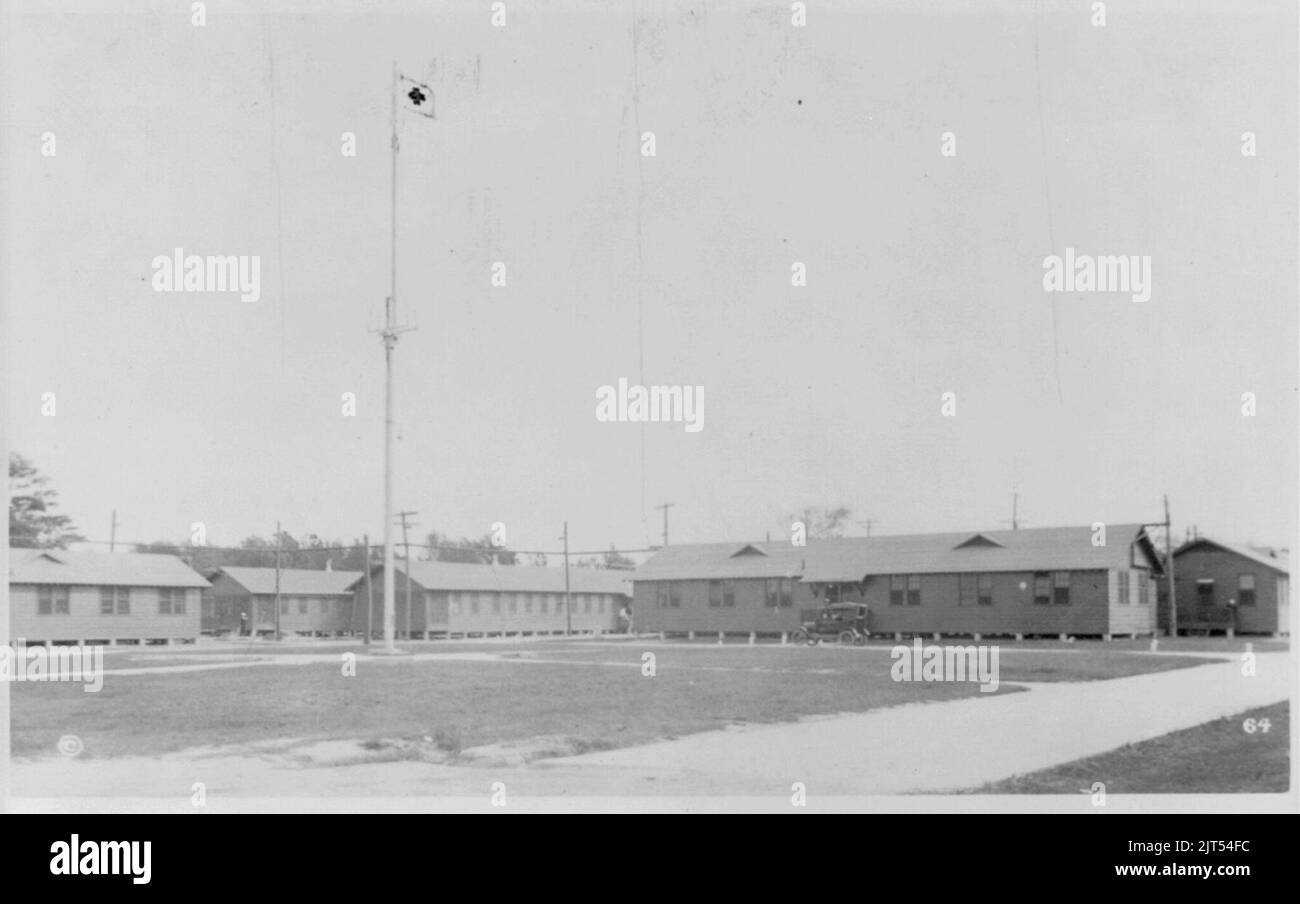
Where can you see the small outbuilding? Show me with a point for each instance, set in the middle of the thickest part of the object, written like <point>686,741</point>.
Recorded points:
<point>1222,586</point>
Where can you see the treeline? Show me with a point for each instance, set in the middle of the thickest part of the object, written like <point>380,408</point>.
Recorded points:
<point>313,552</point>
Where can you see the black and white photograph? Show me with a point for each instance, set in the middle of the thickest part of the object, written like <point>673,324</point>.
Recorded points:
<point>651,406</point>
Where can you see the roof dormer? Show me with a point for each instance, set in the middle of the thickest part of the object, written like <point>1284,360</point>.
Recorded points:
<point>978,540</point>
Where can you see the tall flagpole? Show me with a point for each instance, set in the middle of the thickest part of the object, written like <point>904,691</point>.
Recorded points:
<point>389,334</point>
<point>390,341</point>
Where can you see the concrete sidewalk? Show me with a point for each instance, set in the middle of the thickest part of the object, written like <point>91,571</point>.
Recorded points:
<point>957,744</point>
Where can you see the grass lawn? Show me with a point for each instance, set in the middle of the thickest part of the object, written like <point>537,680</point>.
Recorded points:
<point>464,704</point>
<point>1014,663</point>
<point>1219,757</point>
<point>593,694</point>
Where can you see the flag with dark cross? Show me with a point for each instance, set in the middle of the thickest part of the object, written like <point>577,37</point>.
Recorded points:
<point>416,97</point>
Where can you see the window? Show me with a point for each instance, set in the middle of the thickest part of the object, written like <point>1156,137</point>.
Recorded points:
<point>1205,593</point>
<point>600,604</point>
<point>1122,578</point>
<point>661,596</point>
<point>51,600</point>
<point>986,589</point>
<point>772,593</point>
<point>528,604</point>
<point>1246,590</point>
<point>787,592</point>
<point>496,603</point>
<point>1042,588</point>
<point>913,590</point>
<point>473,603</point>
<point>675,595</point>
<point>586,603</point>
<point>715,594</point>
<point>514,603</point>
<point>1061,588</point>
<point>966,589</point>
<point>728,593</point>
<point>541,603</point>
<point>897,589</point>
<point>1144,588</point>
<point>171,601</point>
<point>115,600</point>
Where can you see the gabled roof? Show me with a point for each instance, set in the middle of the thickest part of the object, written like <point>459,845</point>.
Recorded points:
<point>978,540</point>
<point>100,569</point>
<point>851,559</point>
<point>293,581</point>
<point>1279,561</point>
<point>511,578</point>
<point>724,560</point>
<point>1036,549</point>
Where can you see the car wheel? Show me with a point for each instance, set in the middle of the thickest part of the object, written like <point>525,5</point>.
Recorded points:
<point>799,636</point>
<point>847,637</point>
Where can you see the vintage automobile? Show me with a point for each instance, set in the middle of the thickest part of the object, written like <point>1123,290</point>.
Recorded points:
<point>846,622</point>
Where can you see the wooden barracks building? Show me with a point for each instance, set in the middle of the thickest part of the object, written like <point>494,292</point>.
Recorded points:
<point>1226,586</point>
<point>1048,581</point>
<point>312,602</point>
<point>460,599</point>
<point>57,596</point>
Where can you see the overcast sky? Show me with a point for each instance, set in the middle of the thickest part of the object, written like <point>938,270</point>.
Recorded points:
<point>774,144</point>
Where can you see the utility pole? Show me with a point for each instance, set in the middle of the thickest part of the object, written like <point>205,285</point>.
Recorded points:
<point>1169,572</point>
<point>389,335</point>
<point>1015,512</point>
<point>370,594</point>
<point>665,507</point>
<point>568,608</point>
<point>407,543</point>
<point>112,533</point>
<point>277,580</point>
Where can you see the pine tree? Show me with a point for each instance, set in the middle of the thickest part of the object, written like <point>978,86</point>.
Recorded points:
<point>33,523</point>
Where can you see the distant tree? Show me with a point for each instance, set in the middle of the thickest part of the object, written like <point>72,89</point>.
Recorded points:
<point>822,522</point>
<point>612,559</point>
<point>616,560</point>
<point>442,548</point>
<point>33,523</point>
<point>259,552</point>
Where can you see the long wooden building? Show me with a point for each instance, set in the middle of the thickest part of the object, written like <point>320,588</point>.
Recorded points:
<point>1046,581</point>
<point>317,603</point>
<point>452,599</point>
<point>61,596</point>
